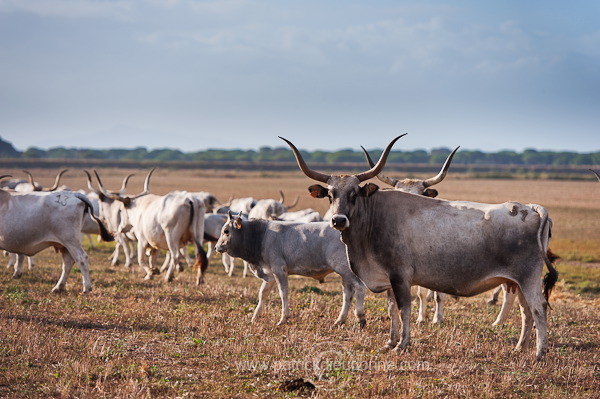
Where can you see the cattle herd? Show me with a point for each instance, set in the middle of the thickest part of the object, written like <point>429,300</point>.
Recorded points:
<point>384,239</point>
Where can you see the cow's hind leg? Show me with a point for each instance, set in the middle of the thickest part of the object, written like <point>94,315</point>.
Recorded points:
<point>17,260</point>
<point>494,298</point>
<point>263,294</point>
<point>507,305</point>
<point>526,322</point>
<point>282,284</point>
<point>422,304</point>
<point>348,293</point>
<point>359,311</point>
<point>438,317</point>
<point>531,294</point>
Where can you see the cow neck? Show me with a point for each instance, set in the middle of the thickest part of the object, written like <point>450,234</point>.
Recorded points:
<point>251,245</point>
<point>363,222</point>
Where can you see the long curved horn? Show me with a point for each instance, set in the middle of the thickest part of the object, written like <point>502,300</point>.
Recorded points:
<point>35,188</point>
<point>294,203</point>
<point>57,180</point>
<point>440,176</point>
<point>596,173</point>
<point>104,191</point>
<point>318,176</point>
<point>124,185</point>
<point>4,176</point>
<point>375,170</point>
<point>282,197</point>
<point>89,183</point>
<point>146,185</point>
<point>381,176</point>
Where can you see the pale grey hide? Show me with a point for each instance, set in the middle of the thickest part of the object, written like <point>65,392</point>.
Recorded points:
<point>275,250</point>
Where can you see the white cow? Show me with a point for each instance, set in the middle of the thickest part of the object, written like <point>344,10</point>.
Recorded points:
<point>269,209</point>
<point>163,222</point>
<point>31,222</point>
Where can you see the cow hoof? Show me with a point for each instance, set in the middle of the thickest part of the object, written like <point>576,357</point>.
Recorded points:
<point>148,277</point>
<point>57,290</point>
<point>362,323</point>
<point>419,320</point>
<point>401,346</point>
<point>492,302</point>
<point>155,271</point>
<point>16,276</point>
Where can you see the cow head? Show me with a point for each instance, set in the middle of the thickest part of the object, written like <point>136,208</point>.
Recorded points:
<point>343,190</point>
<point>227,231</point>
<point>415,186</point>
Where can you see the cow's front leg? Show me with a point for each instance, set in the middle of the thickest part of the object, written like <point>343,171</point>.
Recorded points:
<point>394,321</point>
<point>282,284</point>
<point>263,295</point>
<point>401,290</point>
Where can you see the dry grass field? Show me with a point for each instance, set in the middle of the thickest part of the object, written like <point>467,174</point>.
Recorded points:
<point>132,338</point>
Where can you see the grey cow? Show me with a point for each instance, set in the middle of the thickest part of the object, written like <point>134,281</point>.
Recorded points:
<point>466,249</point>
<point>275,250</point>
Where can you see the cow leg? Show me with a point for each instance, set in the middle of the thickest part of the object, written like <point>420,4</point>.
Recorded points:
<point>359,311</point>
<point>72,255</point>
<point>12,258</point>
<point>394,321</point>
<point>245,269</point>
<point>128,250</point>
<point>172,265</point>
<point>531,294</point>
<point>401,292</point>
<point>17,264</point>
<point>183,251</point>
<point>348,293</point>
<point>494,298</point>
<point>91,241</point>
<point>438,317</point>
<point>141,253</point>
<point>114,257</point>
<point>281,278</point>
<point>507,304</point>
<point>422,304</point>
<point>30,262</point>
<point>526,323</point>
<point>263,294</point>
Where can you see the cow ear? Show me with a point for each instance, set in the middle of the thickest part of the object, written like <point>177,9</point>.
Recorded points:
<point>430,192</point>
<point>317,191</point>
<point>237,223</point>
<point>368,189</point>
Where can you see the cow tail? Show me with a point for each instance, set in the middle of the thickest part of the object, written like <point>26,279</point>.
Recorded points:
<point>544,234</point>
<point>104,233</point>
<point>197,232</point>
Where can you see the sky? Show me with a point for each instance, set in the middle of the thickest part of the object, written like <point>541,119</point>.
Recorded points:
<point>328,75</point>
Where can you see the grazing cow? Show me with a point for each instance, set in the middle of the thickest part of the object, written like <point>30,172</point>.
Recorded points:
<point>421,187</point>
<point>275,250</point>
<point>165,222</point>
<point>396,239</point>
<point>31,222</point>
<point>269,208</point>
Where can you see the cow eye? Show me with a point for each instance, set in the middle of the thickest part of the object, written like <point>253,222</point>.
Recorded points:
<point>226,231</point>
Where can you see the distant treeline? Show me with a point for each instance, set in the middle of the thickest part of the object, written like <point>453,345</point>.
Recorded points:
<point>283,154</point>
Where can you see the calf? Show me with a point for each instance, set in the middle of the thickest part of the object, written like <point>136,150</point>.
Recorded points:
<point>275,250</point>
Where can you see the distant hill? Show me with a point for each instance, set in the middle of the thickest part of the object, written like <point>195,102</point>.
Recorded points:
<point>7,150</point>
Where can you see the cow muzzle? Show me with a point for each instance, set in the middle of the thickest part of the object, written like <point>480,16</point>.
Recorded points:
<point>340,222</point>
